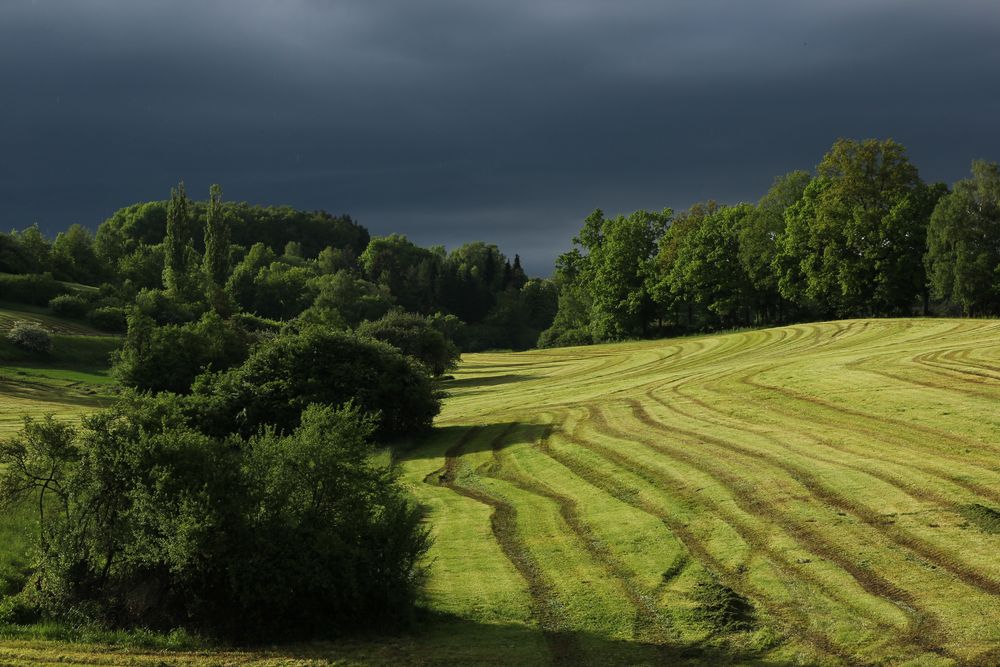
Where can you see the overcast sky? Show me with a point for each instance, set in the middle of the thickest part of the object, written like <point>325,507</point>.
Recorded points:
<point>450,121</point>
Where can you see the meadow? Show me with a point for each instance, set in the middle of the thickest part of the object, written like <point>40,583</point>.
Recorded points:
<point>812,494</point>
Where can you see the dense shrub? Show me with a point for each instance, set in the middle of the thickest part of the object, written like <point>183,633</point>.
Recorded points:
<point>164,309</point>
<point>69,305</point>
<point>554,337</point>
<point>108,318</point>
<point>31,337</point>
<point>295,369</point>
<point>35,289</point>
<point>415,336</point>
<point>154,524</point>
<point>169,357</point>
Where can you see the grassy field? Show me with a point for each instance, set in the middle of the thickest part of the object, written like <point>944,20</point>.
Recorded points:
<point>814,494</point>
<point>71,380</point>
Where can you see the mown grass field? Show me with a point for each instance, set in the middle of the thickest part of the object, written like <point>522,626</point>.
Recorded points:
<point>71,380</point>
<point>813,494</point>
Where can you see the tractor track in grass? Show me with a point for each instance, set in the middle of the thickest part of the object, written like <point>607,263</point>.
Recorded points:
<point>904,458</point>
<point>650,624</point>
<point>881,420</point>
<point>910,489</point>
<point>925,627</point>
<point>830,497</point>
<point>699,552</point>
<point>563,646</point>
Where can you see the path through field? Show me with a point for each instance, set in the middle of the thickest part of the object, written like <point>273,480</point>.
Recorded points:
<point>815,493</point>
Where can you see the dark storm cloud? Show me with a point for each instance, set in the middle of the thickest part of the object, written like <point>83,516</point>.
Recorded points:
<point>452,121</point>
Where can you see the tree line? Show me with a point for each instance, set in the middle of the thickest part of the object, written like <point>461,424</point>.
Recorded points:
<point>176,259</point>
<point>862,237</point>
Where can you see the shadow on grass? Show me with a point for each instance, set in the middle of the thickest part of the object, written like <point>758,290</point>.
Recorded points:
<point>486,381</point>
<point>454,441</point>
<point>436,639</point>
<point>441,639</point>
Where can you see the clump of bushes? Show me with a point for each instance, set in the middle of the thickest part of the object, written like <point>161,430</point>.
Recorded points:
<point>413,335</point>
<point>30,337</point>
<point>285,374</point>
<point>70,305</point>
<point>108,318</point>
<point>169,357</point>
<point>151,523</point>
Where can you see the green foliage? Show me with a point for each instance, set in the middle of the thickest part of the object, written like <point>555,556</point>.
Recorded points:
<point>407,270</point>
<point>241,283</point>
<point>707,271</point>
<point>74,257</point>
<point>34,289</point>
<point>36,250</point>
<point>30,337</point>
<point>963,256</point>
<point>216,260</point>
<point>415,336</point>
<point>169,357</point>
<point>179,277</point>
<point>285,374</point>
<point>345,300</point>
<point>112,319</point>
<point>145,522</point>
<point>758,242</point>
<point>274,226</point>
<point>613,280</point>
<point>854,243</point>
<point>70,305</point>
<point>673,298</point>
<point>281,291</point>
<point>165,309</point>
<point>332,260</point>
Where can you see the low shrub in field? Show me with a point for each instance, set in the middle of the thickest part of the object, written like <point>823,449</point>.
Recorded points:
<point>70,305</point>
<point>151,523</point>
<point>30,337</point>
<point>108,318</point>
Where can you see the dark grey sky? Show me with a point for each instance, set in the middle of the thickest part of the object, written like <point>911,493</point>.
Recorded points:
<point>454,120</point>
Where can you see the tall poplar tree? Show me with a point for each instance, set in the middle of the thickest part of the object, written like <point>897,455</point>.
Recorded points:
<point>216,261</point>
<point>177,245</point>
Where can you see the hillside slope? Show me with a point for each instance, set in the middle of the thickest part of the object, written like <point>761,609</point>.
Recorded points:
<point>814,494</point>
<point>823,493</point>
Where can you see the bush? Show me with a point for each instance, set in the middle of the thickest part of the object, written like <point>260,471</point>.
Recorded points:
<point>35,289</point>
<point>276,537</point>
<point>69,305</point>
<point>170,357</point>
<point>108,318</point>
<point>553,337</point>
<point>415,336</point>
<point>31,337</point>
<point>295,369</point>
